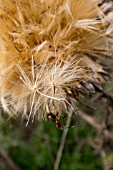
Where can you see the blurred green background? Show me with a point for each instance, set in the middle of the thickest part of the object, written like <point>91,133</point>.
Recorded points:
<point>35,147</point>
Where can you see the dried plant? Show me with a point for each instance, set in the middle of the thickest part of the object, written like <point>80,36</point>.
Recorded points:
<point>50,52</point>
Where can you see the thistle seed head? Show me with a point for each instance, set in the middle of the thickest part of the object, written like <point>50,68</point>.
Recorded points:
<point>49,53</point>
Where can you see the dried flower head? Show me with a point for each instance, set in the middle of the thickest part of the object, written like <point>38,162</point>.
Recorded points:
<point>49,53</point>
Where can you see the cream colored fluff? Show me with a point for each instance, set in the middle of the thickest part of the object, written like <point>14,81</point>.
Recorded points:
<point>47,48</point>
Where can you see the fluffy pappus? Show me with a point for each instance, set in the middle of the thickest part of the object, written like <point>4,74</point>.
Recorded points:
<point>49,49</point>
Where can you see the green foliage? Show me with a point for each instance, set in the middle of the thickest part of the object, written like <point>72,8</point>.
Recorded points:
<point>36,148</point>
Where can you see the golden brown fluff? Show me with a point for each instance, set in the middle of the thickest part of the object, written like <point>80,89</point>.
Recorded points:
<point>49,53</point>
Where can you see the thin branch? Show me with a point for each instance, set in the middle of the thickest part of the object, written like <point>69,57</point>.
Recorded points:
<point>62,143</point>
<point>94,124</point>
<point>7,160</point>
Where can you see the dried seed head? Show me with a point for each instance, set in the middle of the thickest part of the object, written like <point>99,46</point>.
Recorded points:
<point>48,50</point>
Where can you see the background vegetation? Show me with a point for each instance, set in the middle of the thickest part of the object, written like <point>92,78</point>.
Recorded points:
<point>35,147</point>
